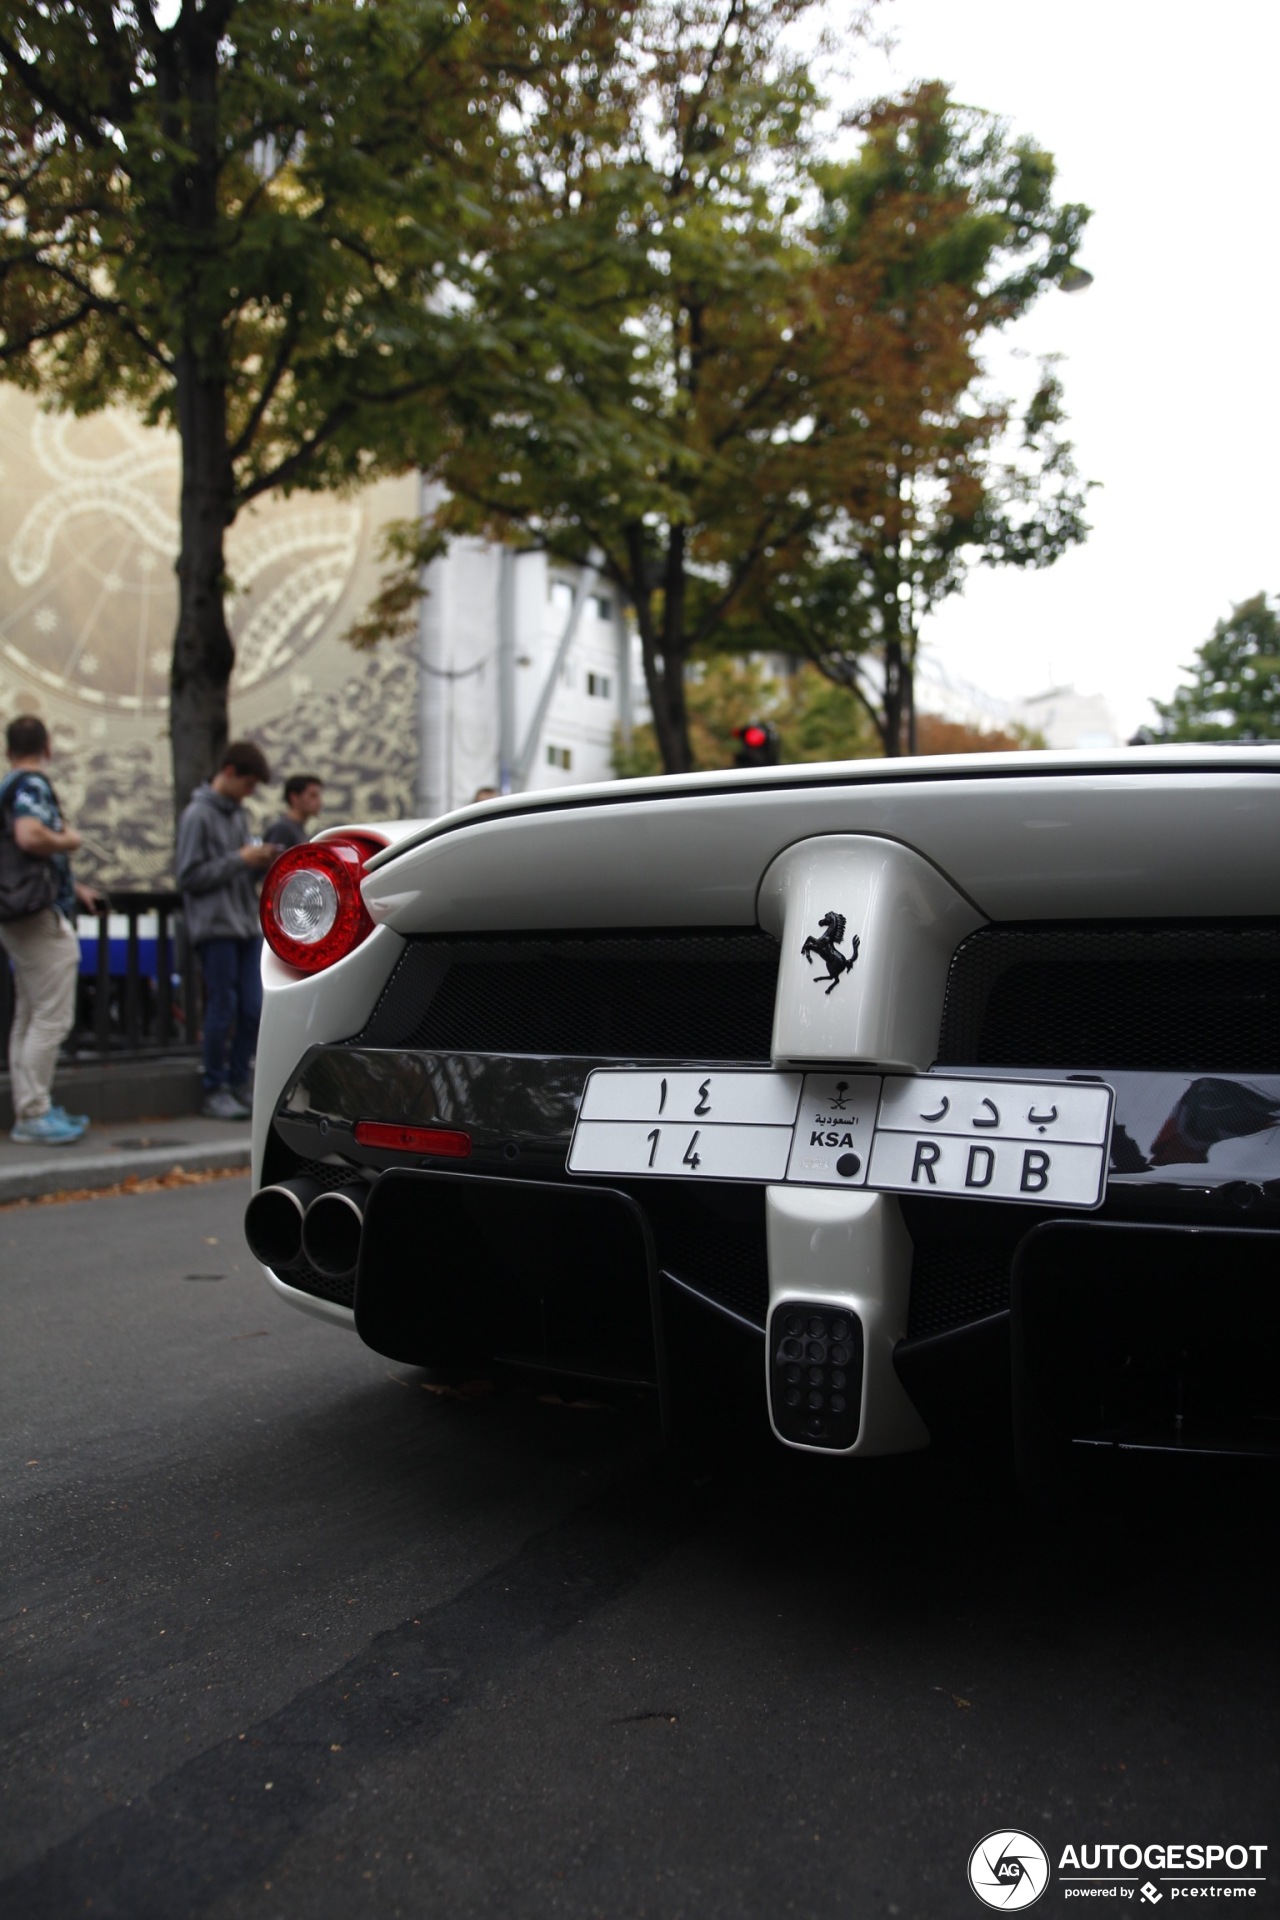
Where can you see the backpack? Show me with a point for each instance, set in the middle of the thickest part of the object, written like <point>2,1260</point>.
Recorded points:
<point>28,882</point>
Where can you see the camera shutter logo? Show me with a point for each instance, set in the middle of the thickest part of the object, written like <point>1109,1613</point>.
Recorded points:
<point>1008,1870</point>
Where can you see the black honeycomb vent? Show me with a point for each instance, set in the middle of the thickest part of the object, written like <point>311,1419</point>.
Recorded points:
<point>954,1284</point>
<point>683,995</point>
<point>323,1286</point>
<point>713,1240</point>
<point>1196,997</point>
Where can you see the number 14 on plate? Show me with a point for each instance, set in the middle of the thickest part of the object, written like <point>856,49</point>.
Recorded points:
<point>680,1151</point>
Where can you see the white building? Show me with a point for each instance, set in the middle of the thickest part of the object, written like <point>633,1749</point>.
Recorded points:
<point>526,669</point>
<point>1069,719</point>
<point>1062,716</point>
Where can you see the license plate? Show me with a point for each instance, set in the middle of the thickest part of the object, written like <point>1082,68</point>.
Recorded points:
<point>715,1098</point>
<point>680,1124</point>
<point>1037,1142</point>
<point>1044,1143</point>
<point>680,1150</point>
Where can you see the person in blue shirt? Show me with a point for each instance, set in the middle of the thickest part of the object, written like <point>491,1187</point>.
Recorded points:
<point>43,947</point>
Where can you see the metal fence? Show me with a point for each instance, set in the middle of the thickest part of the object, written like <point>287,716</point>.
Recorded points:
<point>139,991</point>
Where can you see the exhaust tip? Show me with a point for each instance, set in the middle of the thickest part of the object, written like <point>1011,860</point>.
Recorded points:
<point>273,1221</point>
<point>331,1232</point>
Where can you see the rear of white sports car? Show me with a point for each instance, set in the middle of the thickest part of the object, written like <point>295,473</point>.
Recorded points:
<point>899,1099</point>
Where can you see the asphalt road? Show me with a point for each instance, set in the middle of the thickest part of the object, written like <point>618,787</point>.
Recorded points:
<point>289,1634</point>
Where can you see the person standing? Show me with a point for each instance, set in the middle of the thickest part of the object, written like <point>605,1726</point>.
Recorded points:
<point>218,860</point>
<point>42,944</point>
<point>303,799</point>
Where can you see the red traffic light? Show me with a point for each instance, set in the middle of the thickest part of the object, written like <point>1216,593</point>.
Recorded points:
<point>758,744</point>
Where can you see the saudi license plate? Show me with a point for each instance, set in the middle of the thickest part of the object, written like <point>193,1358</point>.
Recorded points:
<point>1039,1142</point>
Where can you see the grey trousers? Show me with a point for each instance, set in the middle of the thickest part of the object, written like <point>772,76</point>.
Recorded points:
<point>45,952</point>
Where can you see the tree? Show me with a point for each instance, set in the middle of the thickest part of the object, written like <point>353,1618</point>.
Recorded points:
<point>757,418</point>
<point>940,232</point>
<point>256,222</point>
<point>655,427</point>
<point>1234,693</point>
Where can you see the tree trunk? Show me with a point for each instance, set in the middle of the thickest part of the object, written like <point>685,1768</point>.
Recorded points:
<point>674,735</point>
<point>203,655</point>
<point>894,696</point>
<point>663,657</point>
<point>677,755</point>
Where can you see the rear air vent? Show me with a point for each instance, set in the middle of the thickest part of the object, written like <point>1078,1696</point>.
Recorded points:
<point>666,995</point>
<point>1195,997</point>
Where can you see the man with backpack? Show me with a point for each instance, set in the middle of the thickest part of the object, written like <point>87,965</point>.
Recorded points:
<point>38,900</point>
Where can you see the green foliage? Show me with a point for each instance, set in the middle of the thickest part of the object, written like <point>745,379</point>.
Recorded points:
<point>1234,692</point>
<point>582,263</point>
<point>260,222</point>
<point>268,192</point>
<point>656,422</point>
<point>765,422</point>
<point>941,231</point>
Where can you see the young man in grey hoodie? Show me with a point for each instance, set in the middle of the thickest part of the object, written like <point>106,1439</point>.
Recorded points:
<point>217,866</point>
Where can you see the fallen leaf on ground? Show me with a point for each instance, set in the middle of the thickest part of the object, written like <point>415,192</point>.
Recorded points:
<point>132,1183</point>
<point>465,1390</point>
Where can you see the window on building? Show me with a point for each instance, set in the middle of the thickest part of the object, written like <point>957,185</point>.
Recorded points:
<point>560,594</point>
<point>602,606</point>
<point>561,757</point>
<point>599,685</point>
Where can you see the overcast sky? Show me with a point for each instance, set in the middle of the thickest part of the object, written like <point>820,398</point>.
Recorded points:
<point>1165,122</point>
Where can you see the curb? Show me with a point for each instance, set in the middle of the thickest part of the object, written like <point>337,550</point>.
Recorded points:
<point>109,1169</point>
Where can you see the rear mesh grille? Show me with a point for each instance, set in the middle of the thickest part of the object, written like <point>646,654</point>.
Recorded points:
<point>324,1286</point>
<point>952,1285</point>
<point>1191,998</point>
<point>699,996</point>
<point>714,1241</point>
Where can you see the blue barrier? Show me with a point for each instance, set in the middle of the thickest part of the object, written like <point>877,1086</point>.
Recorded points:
<point>148,925</point>
<point>137,993</point>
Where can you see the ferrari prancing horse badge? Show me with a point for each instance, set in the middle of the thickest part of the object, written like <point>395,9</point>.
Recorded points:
<point>827,947</point>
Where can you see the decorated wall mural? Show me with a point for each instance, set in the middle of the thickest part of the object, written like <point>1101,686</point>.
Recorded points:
<point>88,602</point>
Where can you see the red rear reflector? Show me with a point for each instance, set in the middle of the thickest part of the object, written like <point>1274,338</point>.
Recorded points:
<point>384,1133</point>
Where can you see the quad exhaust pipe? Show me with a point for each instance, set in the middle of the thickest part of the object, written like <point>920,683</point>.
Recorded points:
<point>302,1220</point>
<point>273,1221</point>
<point>331,1231</point>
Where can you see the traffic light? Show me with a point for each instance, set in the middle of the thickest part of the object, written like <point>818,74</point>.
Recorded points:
<point>758,745</point>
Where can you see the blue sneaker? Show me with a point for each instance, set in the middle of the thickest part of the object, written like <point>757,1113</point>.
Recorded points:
<point>52,1129</point>
<point>80,1120</point>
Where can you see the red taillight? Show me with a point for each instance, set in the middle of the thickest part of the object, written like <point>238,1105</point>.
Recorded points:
<point>754,736</point>
<point>386,1133</point>
<point>311,910</point>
